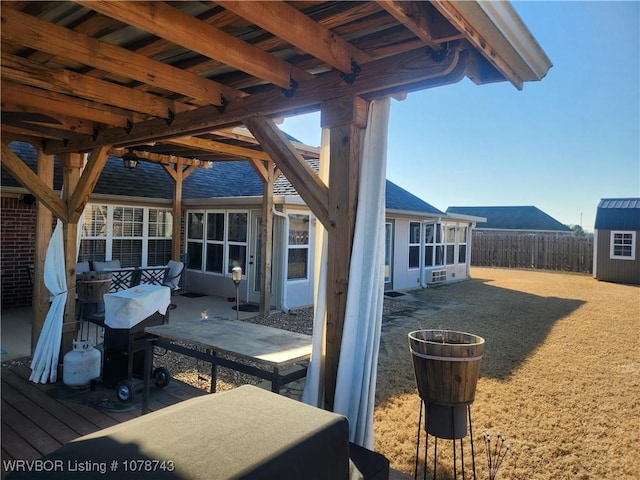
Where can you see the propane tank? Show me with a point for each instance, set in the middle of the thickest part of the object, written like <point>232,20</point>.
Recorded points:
<point>81,365</point>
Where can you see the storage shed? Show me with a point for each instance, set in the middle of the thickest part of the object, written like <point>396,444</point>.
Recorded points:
<point>616,256</point>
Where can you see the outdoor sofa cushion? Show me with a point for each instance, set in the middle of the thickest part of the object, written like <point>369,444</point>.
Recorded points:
<point>82,267</point>
<point>246,432</point>
<point>172,278</point>
<point>106,266</point>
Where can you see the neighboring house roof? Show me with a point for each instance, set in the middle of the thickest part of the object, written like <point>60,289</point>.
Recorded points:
<point>224,179</point>
<point>618,214</point>
<point>397,198</point>
<point>522,218</point>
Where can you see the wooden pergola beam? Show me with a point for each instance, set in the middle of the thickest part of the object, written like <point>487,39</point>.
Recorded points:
<point>31,32</point>
<point>41,190</point>
<point>35,99</point>
<point>293,26</point>
<point>219,147</point>
<point>44,221</point>
<point>415,17</point>
<point>71,83</point>
<point>297,170</point>
<point>176,26</point>
<point>378,78</point>
<point>86,184</point>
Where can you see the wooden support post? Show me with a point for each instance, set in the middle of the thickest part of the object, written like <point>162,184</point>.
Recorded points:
<point>178,174</point>
<point>71,165</point>
<point>44,221</point>
<point>266,247</point>
<point>345,118</point>
<point>176,234</point>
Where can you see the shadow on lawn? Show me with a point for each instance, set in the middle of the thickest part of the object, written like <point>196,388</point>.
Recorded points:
<point>513,324</point>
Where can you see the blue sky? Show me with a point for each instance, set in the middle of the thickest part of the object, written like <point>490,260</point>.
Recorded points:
<point>561,144</point>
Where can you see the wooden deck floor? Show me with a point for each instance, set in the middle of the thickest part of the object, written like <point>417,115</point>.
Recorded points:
<point>37,421</point>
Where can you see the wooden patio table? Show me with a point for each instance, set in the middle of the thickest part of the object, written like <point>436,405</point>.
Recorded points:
<point>249,348</point>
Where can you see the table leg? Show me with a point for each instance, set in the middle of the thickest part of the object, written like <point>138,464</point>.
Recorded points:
<point>146,374</point>
<point>276,382</point>
<point>214,373</point>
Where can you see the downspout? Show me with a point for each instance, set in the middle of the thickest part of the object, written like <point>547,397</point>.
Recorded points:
<point>423,244</point>
<point>285,253</point>
<point>423,284</point>
<point>469,240</point>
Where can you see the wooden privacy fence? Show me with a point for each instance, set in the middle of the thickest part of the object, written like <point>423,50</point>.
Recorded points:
<point>540,251</point>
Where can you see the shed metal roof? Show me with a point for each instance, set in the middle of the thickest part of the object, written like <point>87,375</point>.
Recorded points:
<point>618,214</point>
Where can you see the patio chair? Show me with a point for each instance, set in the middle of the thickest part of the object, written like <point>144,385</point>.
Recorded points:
<point>172,279</point>
<point>121,278</point>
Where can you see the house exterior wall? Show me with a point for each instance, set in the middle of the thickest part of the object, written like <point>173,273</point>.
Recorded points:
<point>406,277</point>
<point>17,249</point>
<point>615,270</point>
<point>299,292</point>
<point>403,276</point>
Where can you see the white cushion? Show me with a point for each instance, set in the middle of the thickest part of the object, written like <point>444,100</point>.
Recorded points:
<point>82,267</point>
<point>106,266</point>
<point>173,275</point>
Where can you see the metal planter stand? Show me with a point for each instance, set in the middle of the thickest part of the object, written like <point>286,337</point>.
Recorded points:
<point>454,418</point>
<point>446,365</point>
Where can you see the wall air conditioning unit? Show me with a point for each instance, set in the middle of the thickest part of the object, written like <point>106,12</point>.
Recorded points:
<point>438,276</point>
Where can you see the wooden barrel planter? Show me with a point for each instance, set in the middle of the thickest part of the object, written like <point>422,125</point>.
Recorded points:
<point>91,286</point>
<point>446,364</point>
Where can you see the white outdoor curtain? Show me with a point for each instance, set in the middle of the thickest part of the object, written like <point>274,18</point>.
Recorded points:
<point>357,368</point>
<point>44,366</point>
<point>313,393</point>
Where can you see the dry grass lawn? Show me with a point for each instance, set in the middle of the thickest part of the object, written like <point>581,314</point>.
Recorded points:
<point>560,374</point>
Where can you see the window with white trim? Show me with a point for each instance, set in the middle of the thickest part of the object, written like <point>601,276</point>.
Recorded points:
<point>462,244</point>
<point>137,236</point>
<point>298,253</point>
<point>434,246</point>
<point>237,240</point>
<point>450,244</point>
<point>414,245</point>
<point>195,240</point>
<point>623,245</point>
<point>217,240</point>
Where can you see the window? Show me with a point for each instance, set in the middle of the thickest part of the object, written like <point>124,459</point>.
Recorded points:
<point>137,236</point>
<point>237,240</point>
<point>298,253</point>
<point>451,244</point>
<point>462,244</point>
<point>217,241</point>
<point>93,243</point>
<point>195,235</point>
<point>159,232</point>
<point>623,245</point>
<point>388,251</point>
<point>434,248</point>
<point>414,245</point>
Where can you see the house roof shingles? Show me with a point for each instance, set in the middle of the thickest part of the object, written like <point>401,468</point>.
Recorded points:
<point>522,218</point>
<point>618,214</point>
<point>224,179</point>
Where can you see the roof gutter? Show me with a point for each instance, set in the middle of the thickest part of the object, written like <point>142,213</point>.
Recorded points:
<point>499,34</point>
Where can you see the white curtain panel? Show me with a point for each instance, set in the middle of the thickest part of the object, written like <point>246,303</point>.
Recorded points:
<point>313,393</point>
<point>44,365</point>
<point>357,368</point>
<point>356,382</point>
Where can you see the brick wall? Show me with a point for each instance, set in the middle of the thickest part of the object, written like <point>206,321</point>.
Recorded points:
<point>17,244</point>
